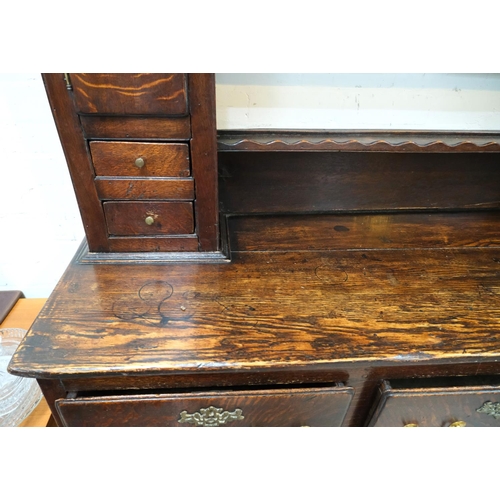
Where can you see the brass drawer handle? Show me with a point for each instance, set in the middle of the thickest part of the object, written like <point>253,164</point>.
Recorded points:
<point>458,423</point>
<point>139,162</point>
<point>149,220</point>
<point>210,417</point>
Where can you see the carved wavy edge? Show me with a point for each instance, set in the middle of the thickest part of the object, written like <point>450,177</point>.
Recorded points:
<point>358,141</point>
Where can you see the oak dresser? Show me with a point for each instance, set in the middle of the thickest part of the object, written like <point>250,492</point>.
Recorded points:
<point>267,278</point>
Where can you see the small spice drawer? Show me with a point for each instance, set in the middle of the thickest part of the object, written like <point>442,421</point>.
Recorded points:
<point>401,404</point>
<point>148,218</point>
<point>322,407</point>
<point>140,159</point>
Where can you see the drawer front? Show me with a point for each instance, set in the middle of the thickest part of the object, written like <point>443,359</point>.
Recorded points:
<point>130,94</point>
<point>325,407</point>
<point>144,189</point>
<point>143,218</point>
<point>476,406</point>
<point>136,127</point>
<point>140,159</point>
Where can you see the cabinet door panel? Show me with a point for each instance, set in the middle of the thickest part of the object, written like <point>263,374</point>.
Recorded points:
<point>130,94</point>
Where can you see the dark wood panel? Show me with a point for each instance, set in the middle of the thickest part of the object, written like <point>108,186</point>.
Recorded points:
<point>342,232</point>
<point>303,182</point>
<point>270,311</point>
<point>204,158</point>
<point>437,407</point>
<point>130,94</point>
<point>130,218</point>
<point>79,161</point>
<point>184,243</point>
<point>158,160</point>
<point>52,391</point>
<point>144,189</point>
<point>125,127</point>
<point>324,407</point>
<point>8,299</point>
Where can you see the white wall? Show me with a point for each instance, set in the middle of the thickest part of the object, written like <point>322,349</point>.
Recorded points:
<point>359,101</point>
<point>40,226</point>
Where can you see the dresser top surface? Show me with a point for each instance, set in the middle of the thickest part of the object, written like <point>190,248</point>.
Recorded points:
<point>268,310</point>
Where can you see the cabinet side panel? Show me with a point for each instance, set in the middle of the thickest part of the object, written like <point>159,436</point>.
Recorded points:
<point>204,158</point>
<point>78,159</point>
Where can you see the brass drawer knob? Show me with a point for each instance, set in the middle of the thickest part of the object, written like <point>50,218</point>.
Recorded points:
<point>410,425</point>
<point>139,162</point>
<point>458,423</point>
<point>149,220</point>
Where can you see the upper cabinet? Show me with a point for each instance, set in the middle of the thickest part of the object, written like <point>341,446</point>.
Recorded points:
<point>133,138</point>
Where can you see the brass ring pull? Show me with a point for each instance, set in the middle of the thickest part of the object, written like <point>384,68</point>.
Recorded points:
<point>210,417</point>
<point>139,162</point>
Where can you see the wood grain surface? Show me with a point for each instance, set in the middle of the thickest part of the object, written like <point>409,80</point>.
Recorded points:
<point>343,232</point>
<point>130,93</point>
<point>269,311</point>
<point>79,161</point>
<point>316,182</point>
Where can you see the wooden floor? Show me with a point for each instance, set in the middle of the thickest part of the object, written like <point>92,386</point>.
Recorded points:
<point>22,316</point>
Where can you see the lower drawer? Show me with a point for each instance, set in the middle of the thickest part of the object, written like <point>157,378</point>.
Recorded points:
<point>136,218</point>
<point>323,407</point>
<point>400,405</point>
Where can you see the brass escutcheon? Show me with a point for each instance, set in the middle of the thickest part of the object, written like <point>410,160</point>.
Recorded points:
<point>491,409</point>
<point>210,417</point>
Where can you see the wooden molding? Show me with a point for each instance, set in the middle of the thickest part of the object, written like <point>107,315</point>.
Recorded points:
<point>343,140</point>
<point>84,256</point>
